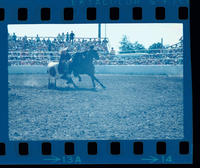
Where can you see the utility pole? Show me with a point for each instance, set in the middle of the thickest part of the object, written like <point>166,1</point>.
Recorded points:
<point>105,30</point>
<point>99,30</point>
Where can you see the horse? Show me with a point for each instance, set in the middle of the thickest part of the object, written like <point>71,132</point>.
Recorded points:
<point>81,63</point>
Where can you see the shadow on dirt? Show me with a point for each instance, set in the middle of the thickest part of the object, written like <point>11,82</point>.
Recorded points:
<point>14,96</point>
<point>74,89</point>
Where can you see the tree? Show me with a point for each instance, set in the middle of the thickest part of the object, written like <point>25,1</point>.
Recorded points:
<point>155,47</point>
<point>128,47</point>
<point>125,45</point>
<point>138,46</point>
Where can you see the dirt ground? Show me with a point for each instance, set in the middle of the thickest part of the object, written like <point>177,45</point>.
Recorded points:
<point>131,107</point>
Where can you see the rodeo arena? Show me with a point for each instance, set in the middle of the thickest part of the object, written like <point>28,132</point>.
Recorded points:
<point>127,95</point>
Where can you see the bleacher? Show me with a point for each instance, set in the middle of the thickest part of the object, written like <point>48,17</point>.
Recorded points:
<point>41,50</point>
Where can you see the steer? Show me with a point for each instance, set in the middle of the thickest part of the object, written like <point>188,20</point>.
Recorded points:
<point>52,70</point>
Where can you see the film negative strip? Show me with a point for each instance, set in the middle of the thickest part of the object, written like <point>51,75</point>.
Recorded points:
<point>88,82</point>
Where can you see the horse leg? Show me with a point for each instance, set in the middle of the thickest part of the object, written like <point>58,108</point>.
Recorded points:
<point>55,83</point>
<point>74,84</point>
<point>99,82</point>
<point>70,80</point>
<point>92,79</point>
<point>79,78</point>
<point>49,83</point>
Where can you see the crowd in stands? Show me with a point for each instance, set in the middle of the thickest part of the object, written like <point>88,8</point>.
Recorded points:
<point>39,51</point>
<point>55,44</point>
<point>144,59</point>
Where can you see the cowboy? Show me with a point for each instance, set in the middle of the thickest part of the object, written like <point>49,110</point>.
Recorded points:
<point>63,66</point>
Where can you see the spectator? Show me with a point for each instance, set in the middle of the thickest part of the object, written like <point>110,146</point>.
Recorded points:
<point>48,41</point>
<point>59,37</point>
<point>105,41</point>
<point>14,37</point>
<point>112,52</point>
<point>72,37</point>
<point>49,44</point>
<point>63,37</point>
<point>67,37</point>
<point>43,40</point>
<point>9,37</point>
<point>37,38</point>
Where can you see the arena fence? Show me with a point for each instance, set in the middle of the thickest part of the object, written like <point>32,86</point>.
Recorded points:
<point>151,62</point>
<point>176,70</point>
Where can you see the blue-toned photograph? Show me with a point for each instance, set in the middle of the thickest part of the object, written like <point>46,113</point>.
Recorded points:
<point>95,81</point>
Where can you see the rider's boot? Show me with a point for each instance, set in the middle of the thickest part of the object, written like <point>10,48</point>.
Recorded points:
<point>63,77</point>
